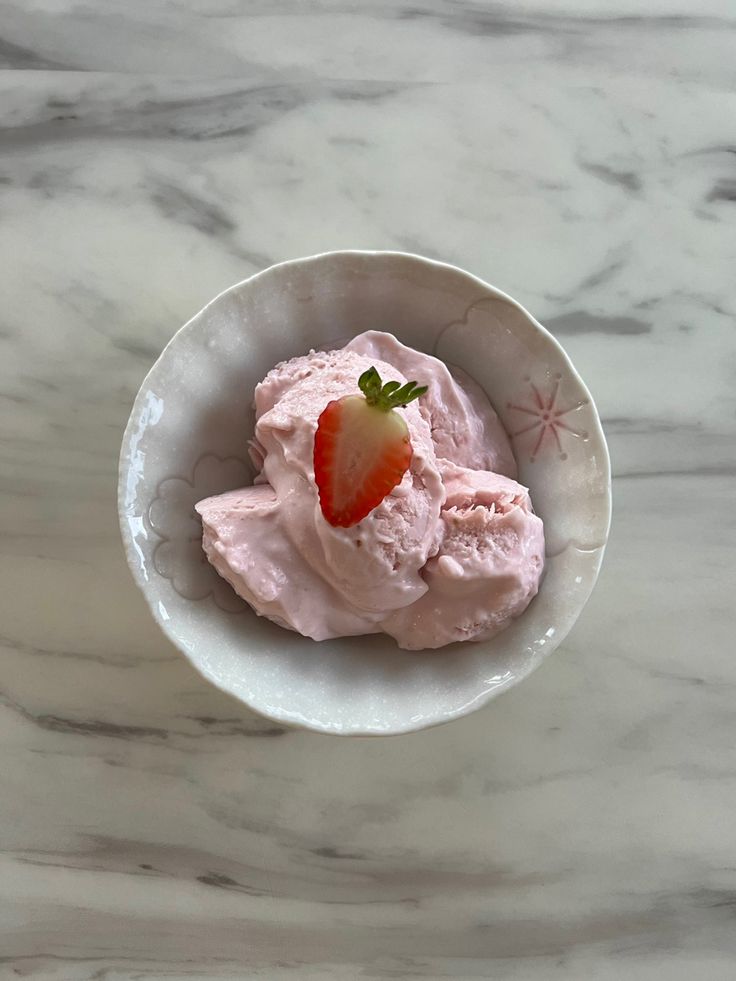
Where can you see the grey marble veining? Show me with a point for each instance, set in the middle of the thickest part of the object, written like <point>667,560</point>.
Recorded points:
<point>580,154</point>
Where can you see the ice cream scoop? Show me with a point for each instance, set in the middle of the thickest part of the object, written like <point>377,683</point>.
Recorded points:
<point>487,568</point>
<point>465,428</point>
<point>244,540</point>
<point>375,565</point>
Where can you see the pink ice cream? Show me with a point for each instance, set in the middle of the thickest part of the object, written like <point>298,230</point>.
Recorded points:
<point>453,553</point>
<point>487,568</point>
<point>465,429</point>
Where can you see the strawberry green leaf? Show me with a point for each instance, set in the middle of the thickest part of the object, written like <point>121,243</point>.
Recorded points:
<point>390,396</point>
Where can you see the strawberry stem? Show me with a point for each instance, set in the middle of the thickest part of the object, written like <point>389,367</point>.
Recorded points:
<point>390,396</point>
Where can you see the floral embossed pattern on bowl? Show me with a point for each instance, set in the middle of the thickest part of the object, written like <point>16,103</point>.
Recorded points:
<point>546,419</point>
<point>179,556</point>
<point>188,436</point>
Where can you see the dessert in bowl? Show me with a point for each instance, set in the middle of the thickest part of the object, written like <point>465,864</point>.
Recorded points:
<point>379,505</point>
<point>446,563</point>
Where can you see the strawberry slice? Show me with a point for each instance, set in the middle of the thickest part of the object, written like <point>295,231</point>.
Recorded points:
<point>362,448</point>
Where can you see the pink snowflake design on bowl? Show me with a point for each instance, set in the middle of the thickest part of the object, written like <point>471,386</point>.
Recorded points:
<point>179,555</point>
<point>546,420</point>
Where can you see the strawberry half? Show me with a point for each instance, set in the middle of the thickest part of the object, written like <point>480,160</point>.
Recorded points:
<point>362,448</point>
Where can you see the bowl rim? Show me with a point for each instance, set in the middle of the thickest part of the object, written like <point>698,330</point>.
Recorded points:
<point>284,718</point>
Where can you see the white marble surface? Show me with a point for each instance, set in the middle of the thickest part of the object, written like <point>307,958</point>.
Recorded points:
<point>581,155</point>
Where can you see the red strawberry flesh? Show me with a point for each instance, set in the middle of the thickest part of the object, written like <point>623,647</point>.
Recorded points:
<point>360,454</point>
<point>362,449</point>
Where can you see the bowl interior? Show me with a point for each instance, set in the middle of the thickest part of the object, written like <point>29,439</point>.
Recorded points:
<point>187,438</point>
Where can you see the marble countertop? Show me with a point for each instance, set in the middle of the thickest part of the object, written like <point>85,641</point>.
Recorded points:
<point>578,154</point>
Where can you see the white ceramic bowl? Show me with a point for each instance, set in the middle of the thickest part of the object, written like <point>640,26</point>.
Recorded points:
<point>186,439</point>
